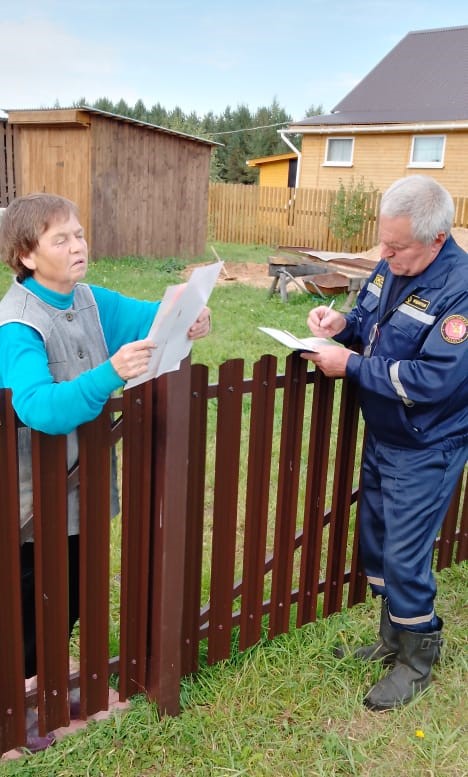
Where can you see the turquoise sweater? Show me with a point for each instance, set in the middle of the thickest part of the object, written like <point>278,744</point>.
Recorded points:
<point>58,408</point>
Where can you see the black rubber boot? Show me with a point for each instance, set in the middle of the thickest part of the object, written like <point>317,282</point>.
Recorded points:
<point>385,649</point>
<point>412,671</point>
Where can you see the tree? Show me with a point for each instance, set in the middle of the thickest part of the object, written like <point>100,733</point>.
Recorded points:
<point>350,210</point>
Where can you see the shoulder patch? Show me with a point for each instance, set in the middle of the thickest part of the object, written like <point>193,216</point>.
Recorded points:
<point>454,329</point>
<point>378,280</point>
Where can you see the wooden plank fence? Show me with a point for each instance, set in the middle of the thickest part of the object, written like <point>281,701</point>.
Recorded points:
<point>7,164</point>
<point>293,217</point>
<point>238,505</point>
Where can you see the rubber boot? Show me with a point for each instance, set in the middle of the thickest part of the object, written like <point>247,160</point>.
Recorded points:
<point>385,649</point>
<point>412,671</point>
<point>34,742</point>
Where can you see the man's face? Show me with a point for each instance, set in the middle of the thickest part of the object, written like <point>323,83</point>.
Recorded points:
<point>60,259</point>
<point>404,254</point>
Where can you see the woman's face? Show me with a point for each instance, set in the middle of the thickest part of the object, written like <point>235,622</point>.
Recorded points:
<point>60,259</point>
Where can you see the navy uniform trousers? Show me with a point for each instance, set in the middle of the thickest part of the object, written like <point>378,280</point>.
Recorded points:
<point>405,495</point>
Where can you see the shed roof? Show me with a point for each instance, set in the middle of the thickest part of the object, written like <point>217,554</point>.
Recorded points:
<point>422,79</point>
<point>79,115</point>
<point>262,160</point>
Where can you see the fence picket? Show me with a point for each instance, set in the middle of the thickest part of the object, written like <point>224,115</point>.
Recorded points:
<point>228,430</point>
<point>288,482</point>
<point>257,499</point>
<point>49,473</point>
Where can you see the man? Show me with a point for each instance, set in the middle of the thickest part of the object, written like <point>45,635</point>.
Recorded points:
<point>411,319</point>
<point>64,348</point>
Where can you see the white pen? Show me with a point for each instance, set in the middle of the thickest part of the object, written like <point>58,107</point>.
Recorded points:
<point>329,307</point>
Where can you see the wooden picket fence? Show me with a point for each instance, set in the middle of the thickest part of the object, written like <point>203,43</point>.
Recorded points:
<point>291,217</point>
<point>239,503</point>
<point>7,164</point>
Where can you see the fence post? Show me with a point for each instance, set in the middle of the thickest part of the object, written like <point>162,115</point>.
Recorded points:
<point>12,725</point>
<point>167,543</point>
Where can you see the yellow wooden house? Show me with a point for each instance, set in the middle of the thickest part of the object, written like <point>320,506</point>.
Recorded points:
<point>408,115</point>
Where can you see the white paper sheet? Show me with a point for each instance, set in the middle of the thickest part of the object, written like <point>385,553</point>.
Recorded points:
<point>179,308</point>
<point>293,342</point>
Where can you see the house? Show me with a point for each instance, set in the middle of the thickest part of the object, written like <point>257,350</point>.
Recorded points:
<point>276,170</point>
<point>408,115</point>
<point>141,189</point>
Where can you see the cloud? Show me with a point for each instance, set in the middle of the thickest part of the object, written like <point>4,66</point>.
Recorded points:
<point>48,63</point>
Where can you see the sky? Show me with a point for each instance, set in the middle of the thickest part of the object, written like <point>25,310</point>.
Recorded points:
<point>203,55</point>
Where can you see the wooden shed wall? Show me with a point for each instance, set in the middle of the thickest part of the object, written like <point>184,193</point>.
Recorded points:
<point>274,173</point>
<point>382,158</point>
<point>55,159</point>
<point>149,191</point>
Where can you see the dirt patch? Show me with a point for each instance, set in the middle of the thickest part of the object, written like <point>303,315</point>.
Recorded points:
<point>250,273</point>
<point>254,274</point>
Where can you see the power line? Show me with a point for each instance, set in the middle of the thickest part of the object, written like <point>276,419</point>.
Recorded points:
<point>248,129</point>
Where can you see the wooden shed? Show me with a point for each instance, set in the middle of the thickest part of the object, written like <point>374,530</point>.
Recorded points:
<point>276,170</point>
<point>141,189</point>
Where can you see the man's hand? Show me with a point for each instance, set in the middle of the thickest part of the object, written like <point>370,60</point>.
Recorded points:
<point>325,322</point>
<point>331,359</point>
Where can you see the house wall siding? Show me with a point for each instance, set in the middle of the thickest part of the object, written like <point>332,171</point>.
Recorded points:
<point>382,158</point>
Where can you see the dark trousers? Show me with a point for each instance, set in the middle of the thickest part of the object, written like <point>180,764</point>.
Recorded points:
<point>27,596</point>
<point>404,498</point>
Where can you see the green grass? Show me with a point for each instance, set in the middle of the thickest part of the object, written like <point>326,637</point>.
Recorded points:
<point>287,707</point>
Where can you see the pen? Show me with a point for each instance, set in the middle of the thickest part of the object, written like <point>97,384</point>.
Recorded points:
<point>329,307</point>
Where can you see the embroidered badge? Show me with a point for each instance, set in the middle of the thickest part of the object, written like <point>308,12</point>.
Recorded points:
<point>454,329</point>
<point>417,302</point>
<point>378,280</point>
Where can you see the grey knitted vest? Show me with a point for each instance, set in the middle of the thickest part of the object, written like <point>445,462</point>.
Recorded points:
<point>74,342</point>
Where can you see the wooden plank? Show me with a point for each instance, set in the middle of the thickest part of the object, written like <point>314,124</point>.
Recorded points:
<point>137,470</point>
<point>49,472</point>
<point>167,552</point>
<point>341,501</point>
<point>196,513</point>
<point>314,508</point>
<point>95,470</point>
<point>287,494</point>
<point>228,433</point>
<point>12,709</point>
<point>257,499</point>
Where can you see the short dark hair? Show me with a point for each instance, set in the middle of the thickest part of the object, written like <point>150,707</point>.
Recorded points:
<point>23,223</point>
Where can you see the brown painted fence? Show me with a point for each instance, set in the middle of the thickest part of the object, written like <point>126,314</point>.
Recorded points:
<point>238,510</point>
<point>292,217</point>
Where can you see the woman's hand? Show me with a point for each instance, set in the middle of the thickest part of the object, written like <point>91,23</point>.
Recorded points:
<point>132,359</point>
<point>202,326</point>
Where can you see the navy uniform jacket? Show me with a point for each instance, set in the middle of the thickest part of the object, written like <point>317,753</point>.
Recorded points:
<point>414,384</point>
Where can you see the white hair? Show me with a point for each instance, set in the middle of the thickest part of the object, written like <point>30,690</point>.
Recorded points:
<point>428,205</point>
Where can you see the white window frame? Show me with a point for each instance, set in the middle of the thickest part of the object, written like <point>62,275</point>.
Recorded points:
<point>341,163</point>
<point>426,165</point>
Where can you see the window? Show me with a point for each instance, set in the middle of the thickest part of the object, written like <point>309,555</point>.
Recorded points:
<point>427,151</point>
<point>339,152</point>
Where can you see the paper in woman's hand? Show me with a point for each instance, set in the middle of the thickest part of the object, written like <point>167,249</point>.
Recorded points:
<point>179,308</point>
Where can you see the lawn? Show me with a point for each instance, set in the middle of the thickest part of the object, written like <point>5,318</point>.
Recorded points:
<point>287,707</point>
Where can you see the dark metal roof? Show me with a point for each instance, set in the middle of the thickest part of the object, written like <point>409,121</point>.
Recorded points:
<point>424,78</point>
